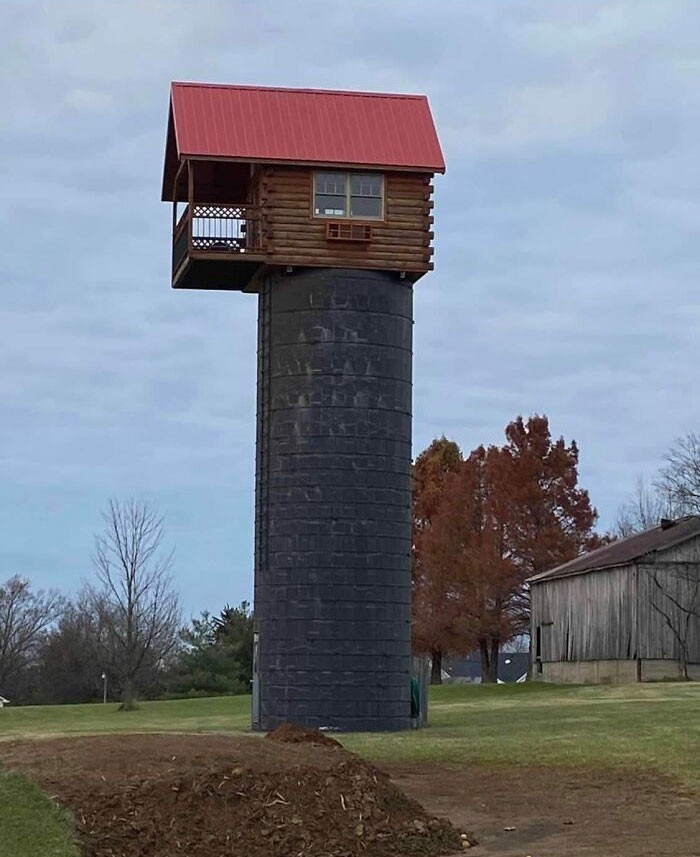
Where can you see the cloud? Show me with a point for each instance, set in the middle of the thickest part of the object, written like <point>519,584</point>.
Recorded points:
<point>566,260</point>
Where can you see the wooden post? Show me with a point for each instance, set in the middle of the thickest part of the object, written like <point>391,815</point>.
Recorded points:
<point>190,203</point>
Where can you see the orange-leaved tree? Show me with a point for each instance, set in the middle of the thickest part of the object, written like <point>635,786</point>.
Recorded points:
<point>468,537</point>
<point>434,615</point>
<point>496,518</point>
<point>550,519</point>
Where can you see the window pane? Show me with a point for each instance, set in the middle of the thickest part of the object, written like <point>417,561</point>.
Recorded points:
<point>330,183</point>
<point>365,206</point>
<point>329,204</point>
<point>365,185</point>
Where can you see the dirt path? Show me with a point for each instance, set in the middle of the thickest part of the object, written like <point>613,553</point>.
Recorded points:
<point>558,813</point>
<point>211,795</point>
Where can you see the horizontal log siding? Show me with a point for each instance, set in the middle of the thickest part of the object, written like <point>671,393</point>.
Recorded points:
<point>592,616</point>
<point>402,242</point>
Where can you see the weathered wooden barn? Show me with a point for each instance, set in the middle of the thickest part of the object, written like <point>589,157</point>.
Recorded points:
<point>627,612</point>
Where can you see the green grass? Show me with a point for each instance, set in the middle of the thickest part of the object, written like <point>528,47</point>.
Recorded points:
<point>647,726</point>
<point>31,825</point>
<point>644,726</point>
<point>213,714</point>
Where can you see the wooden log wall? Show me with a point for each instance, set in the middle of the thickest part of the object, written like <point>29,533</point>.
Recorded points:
<point>401,242</point>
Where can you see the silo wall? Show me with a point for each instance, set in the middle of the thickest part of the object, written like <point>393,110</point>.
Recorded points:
<point>333,500</point>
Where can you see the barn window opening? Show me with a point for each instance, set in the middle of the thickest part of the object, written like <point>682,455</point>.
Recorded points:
<point>355,195</point>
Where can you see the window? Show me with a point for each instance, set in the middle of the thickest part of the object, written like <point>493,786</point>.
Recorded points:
<point>358,195</point>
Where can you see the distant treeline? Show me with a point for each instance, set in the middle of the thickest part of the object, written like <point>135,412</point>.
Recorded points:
<point>123,634</point>
<point>54,651</point>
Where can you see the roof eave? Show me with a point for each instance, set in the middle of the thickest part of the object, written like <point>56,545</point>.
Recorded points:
<point>293,162</point>
<point>545,576</point>
<point>170,150</point>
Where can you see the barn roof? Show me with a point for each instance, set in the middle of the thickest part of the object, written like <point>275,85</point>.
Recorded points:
<point>624,551</point>
<point>309,126</point>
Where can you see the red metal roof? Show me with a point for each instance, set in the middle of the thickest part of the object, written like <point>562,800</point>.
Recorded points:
<point>255,123</point>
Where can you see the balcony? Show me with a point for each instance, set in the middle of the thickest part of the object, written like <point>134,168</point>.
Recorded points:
<point>217,246</point>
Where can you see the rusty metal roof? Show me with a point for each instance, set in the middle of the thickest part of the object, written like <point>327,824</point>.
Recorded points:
<point>627,550</point>
<point>254,123</point>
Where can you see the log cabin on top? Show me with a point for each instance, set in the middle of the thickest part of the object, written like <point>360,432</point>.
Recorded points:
<point>285,178</point>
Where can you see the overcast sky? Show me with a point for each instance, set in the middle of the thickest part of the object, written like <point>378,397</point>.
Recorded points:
<point>567,251</point>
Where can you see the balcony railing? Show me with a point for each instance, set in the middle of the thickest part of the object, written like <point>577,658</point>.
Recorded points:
<point>216,230</point>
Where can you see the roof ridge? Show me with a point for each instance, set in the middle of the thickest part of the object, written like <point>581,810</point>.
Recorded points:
<point>306,90</point>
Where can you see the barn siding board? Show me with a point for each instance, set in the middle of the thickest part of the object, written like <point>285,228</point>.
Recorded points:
<point>592,616</point>
<point>659,641</point>
<point>677,567</point>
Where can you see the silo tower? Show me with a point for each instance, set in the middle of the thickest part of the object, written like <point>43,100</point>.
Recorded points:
<point>319,202</point>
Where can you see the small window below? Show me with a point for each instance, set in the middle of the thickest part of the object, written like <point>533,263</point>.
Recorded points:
<point>348,232</point>
<point>354,195</point>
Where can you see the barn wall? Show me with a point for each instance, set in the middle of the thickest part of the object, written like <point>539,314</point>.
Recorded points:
<point>401,242</point>
<point>590,672</point>
<point>586,617</point>
<point>660,670</point>
<point>613,672</point>
<point>677,569</point>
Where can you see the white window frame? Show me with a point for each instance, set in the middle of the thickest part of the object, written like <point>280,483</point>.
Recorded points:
<point>349,195</point>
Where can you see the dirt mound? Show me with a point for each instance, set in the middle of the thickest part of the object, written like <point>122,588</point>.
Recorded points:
<point>290,733</point>
<point>209,796</point>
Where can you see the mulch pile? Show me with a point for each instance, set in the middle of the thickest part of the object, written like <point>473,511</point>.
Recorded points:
<point>299,793</point>
<point>290,733</point>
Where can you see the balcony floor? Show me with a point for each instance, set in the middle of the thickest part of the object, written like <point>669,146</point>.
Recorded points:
<point>218,271</point>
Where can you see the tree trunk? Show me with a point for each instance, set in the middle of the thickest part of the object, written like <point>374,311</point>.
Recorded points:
<point>485,661</point>
<point>488,648</point>
<point>495,647</point>
<point>128,695</point>
<point>436,668</point>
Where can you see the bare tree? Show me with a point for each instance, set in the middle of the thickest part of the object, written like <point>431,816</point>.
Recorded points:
<point>679,478</point>
<point>25,617</point>
<point>134,598</point>
<point>644,509</point>
<point>675,596</point>
<point>517,645</point>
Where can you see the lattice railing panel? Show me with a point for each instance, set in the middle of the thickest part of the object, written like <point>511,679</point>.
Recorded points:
<point>225,228</point>
<point>221,212</point>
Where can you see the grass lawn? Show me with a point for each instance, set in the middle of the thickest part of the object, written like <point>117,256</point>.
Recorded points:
<point>30,823</point>
<point>650,726</point>
<point>215,714</point>
<point>641,726</point>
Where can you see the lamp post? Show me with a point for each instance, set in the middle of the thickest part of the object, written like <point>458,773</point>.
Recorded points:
<point>104,688</point>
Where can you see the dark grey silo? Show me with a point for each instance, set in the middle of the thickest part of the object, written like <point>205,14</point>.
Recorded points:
<point>333,500</point>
